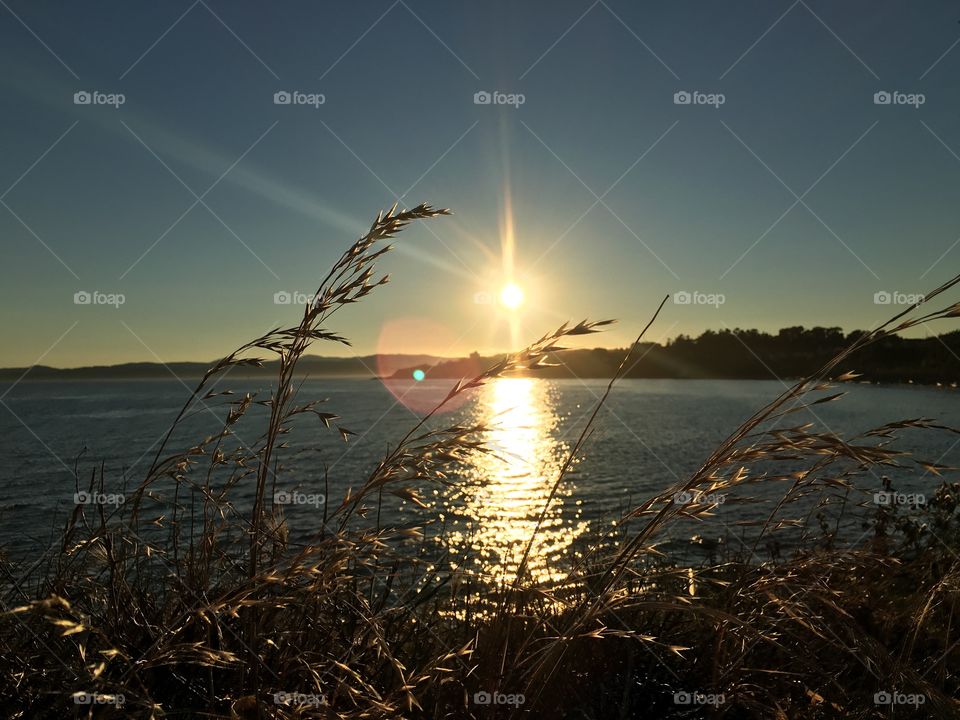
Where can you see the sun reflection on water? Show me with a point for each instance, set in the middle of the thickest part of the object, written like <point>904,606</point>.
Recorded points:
<point>511,485</point>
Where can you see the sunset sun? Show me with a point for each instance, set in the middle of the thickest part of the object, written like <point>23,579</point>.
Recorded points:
<point>511,296</point>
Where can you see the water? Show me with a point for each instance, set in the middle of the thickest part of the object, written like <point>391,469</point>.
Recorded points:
<point>650,435</point>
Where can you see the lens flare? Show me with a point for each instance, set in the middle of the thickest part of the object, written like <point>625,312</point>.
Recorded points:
<point>407,349</point>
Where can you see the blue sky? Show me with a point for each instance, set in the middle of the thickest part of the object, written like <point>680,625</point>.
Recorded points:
<point>797,199</point>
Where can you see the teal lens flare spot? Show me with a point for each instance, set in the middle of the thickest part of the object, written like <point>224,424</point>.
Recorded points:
<point>419,375</point>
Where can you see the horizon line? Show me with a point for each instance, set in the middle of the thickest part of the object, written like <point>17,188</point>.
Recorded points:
<point>485,353</point>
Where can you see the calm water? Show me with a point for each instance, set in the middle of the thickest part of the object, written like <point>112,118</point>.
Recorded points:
<point>652,434</point>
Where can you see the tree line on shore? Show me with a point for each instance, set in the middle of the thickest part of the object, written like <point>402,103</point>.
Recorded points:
<point>721,354</point>
<point>751,354</point>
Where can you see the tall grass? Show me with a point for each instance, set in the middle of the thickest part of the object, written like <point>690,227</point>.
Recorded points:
<point>185,602</point>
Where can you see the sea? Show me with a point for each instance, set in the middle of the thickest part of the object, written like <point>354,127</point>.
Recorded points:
<point>61,439</point>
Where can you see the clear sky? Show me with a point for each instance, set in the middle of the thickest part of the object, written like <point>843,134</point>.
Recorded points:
<point>795,196</point>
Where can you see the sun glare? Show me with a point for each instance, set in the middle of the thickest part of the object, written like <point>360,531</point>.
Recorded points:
<point>511,296</point>
<point>516,480</point>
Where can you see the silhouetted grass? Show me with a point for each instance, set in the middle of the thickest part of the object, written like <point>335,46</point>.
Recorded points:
<point>180,603</point>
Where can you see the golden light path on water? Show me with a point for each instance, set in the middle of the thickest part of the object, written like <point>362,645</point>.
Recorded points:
<point>511,485</point>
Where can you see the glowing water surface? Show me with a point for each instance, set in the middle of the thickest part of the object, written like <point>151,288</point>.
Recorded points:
<point>511,486</point>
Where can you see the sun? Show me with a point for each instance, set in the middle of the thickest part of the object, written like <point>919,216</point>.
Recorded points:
<point>511,296</point>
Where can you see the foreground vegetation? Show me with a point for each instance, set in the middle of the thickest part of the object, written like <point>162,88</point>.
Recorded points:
<point>182,603</point>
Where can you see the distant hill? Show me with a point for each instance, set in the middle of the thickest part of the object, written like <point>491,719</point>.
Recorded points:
<point>744,354</point>
<point>312,365</point>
